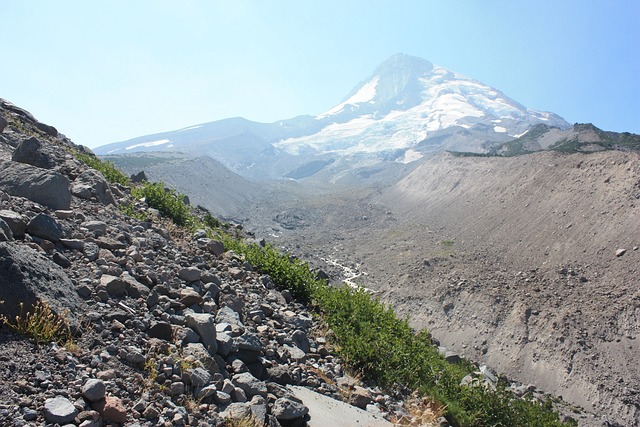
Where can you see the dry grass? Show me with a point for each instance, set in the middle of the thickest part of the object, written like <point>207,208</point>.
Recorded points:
<point>424,412</point>
<point>41,323</point>
<point>249,421</point>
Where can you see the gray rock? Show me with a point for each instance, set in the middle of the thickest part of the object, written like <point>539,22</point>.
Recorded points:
<point>59,410</point>
<point>280,374</point>
<point>134,288</point>
<point>198,377</point>
<point>75,244</point>
<point>27,276</point>
<point>93,390</point>
<point>91,251</point>
<point>248,341</point>
<point>237,411</point>
<point>45,227</point>
<point>620,252</point>
<point>161,330</point>
<point>295,353</point>
<point>6,234</point>
<point>250,384</point>
<point>61,260</point>
<point>91,184</point>
<point>189,297</point>
<point>287,409</point>
<point>301,340</point>
<point>228,315</point>
<point>3,124</point>
<point>114,285</point>
<point>31,151</point>
<point>176,388</point>
<point>204,325</point>
<point>15,221</point>
<point>360,397</point>
<point>139,177</point>
<point>215,247</point>
<point>42,186</point>
<point>95,225</point>
<point>190,274</point>
<point>225,343</point>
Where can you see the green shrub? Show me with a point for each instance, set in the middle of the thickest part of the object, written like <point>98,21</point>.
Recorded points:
<point>169,203</point>
<point>110,172</point>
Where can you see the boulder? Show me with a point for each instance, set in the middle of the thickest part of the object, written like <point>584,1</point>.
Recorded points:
<point>91,184</point>
<point>139,177</point>
<point>15,221</point>
<point>27,276</point>
<point>44,227</point>
<point>3,124</point>
<point>42,186</point>
<point>31,151</point>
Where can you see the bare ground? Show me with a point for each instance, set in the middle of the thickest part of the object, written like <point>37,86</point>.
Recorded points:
<point>509,261</point>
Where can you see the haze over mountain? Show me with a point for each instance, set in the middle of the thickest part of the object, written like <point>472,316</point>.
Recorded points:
<point>405,110</point>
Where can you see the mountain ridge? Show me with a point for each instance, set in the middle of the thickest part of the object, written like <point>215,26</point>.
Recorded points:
<point>408,106</point>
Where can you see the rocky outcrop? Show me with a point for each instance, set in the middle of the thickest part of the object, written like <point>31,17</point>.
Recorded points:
<point>27,276</point>
<point>91,184</point>
<point>39,185</point>
<point>31,151</point>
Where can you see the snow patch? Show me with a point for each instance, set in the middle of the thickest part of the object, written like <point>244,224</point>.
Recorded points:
<point>190,128</point>
<point>499,129</point>
<point>148,144</point>
<point>365,94</point>
<point>411,156</point>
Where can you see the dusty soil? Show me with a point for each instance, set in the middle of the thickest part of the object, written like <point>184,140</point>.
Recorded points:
<point>510,261</point>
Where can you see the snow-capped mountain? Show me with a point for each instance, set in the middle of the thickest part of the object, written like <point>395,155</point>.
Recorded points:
<point>407,108</point>
<point>406,101</point>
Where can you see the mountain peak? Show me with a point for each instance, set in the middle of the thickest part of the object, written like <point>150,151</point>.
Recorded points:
<point>403,63</point>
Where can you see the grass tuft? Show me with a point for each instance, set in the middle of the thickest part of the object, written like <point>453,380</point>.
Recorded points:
<point>41,323</point>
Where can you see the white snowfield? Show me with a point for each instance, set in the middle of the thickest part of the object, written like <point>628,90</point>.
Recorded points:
<point>148,144</point>
<point>446,99</point>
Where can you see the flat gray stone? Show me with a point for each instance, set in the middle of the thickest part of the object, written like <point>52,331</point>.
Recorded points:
<point>59,410</point>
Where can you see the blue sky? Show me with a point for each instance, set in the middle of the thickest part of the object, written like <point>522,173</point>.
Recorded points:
<point>106,71</point>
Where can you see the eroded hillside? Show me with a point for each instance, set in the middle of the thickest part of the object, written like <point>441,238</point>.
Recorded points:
<point>529,264</point>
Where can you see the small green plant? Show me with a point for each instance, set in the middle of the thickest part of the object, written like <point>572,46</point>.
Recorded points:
<point>108,169</point>
<point>41,323</point>
<point>447,243</point>
<point>167,202</point>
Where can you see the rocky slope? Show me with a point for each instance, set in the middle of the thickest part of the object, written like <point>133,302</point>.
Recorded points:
<point>169,327</point>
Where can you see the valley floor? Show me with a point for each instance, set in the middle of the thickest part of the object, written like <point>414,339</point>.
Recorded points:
<point>528,264</point>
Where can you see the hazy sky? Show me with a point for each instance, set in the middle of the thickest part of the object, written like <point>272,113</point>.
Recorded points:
<point>106,71</point>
